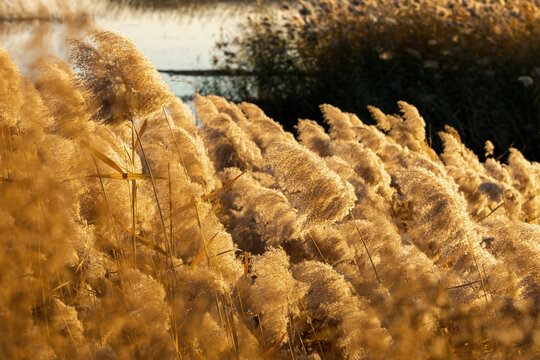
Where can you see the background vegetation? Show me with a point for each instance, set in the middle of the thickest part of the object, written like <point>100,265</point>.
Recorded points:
<point>470,64</point>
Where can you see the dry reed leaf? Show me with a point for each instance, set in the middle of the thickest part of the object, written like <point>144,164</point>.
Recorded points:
<point>105,158</point>
<point>227,185</point>
<point>141,133</point>
<point>202,253</point>
<point>149,244</point>
<point>60,286</point>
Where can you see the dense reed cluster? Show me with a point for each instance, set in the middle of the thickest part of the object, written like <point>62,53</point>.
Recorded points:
<point>132,228</point>
<point>471,64</point>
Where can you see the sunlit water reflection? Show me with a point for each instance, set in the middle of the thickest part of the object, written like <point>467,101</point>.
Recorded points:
<point>174,39</point>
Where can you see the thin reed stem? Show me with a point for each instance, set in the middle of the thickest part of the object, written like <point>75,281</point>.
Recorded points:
<point>164,228</point>
<point>365,246</point>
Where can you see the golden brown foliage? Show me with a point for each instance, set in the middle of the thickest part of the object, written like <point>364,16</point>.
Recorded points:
<point>130,232</point>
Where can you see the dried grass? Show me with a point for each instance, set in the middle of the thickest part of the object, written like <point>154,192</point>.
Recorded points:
<point>428,264</point>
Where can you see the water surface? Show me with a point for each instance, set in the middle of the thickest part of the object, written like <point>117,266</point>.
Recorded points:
<point>172,39</point>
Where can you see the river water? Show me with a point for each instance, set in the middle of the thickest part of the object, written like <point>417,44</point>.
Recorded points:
<point>179,39</point>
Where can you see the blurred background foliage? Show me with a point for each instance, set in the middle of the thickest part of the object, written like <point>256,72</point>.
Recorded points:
<point>469,64</point>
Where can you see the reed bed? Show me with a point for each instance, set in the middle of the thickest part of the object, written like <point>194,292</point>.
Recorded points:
<point>470,64</point>
<point>132,228</point>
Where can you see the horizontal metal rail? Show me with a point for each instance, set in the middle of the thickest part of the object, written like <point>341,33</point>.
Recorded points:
<point>229,72</point>
<point>213,72</point>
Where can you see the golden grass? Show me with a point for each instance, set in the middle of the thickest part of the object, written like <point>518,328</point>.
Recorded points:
<point>356,243</point>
